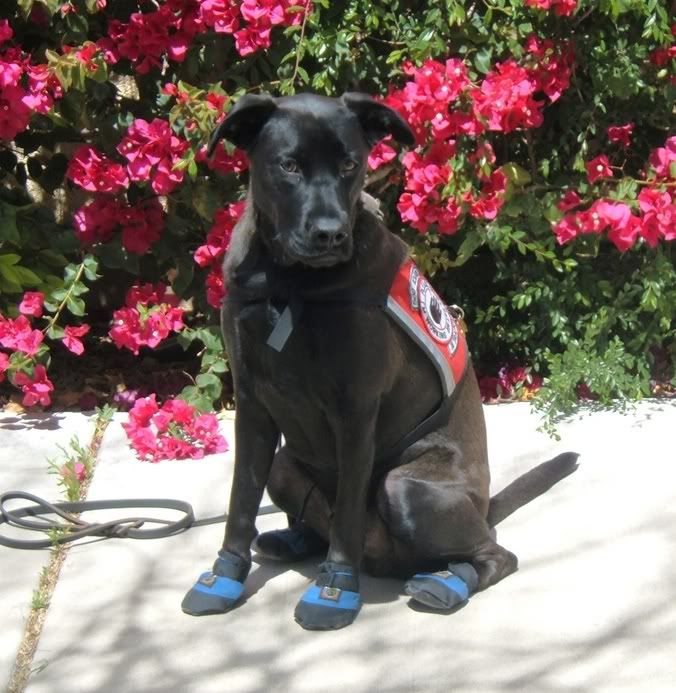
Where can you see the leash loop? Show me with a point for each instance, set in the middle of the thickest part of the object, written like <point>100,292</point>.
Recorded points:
<point>30,518</point>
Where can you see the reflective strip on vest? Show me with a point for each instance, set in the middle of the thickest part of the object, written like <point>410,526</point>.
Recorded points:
<point>416,307</point>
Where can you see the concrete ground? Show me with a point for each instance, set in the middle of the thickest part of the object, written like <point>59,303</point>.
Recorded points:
<point>592,608</point>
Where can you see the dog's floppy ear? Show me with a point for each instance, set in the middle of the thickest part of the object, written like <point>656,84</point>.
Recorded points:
<point>243,122</point>
<point>377,120</point>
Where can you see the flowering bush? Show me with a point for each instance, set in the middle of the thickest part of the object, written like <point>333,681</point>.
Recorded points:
<point>540,192</point>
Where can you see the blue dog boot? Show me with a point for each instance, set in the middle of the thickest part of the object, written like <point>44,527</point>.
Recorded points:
<point>332,602</point>
<point>295,543</point>
<point>446,589</point>
<point>219,590</point>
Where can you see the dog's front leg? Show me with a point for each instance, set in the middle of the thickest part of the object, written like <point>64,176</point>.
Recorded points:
<point>256,437</point>
<point>334,601</point>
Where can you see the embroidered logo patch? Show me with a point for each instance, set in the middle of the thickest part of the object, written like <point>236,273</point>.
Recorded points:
<point>436,317</point>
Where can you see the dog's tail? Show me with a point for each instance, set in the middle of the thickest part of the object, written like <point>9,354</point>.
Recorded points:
<point>530,485</point>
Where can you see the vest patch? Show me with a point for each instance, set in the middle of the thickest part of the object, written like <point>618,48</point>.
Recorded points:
<point>418,309</point>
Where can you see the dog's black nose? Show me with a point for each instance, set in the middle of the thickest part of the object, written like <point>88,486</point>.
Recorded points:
<point>326,234</point>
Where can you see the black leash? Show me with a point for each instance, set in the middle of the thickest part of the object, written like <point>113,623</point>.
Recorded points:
<point>75,528</point>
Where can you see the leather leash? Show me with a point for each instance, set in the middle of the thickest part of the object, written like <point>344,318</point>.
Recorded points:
<point>30,518</point>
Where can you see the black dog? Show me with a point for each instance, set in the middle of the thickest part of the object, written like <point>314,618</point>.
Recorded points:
<point>384,462</point>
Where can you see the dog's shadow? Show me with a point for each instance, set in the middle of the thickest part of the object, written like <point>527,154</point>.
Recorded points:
<point>373,590</point>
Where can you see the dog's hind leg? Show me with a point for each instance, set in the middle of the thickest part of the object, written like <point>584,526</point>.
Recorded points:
<point>434,523</point>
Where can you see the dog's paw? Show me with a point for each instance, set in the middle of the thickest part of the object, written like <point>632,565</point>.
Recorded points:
<point>332,602</point>
<point>445,589</point>
<point>294,543</point>
<point>218,590</point>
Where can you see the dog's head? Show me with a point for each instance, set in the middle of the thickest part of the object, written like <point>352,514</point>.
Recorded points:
<point>307,156</point>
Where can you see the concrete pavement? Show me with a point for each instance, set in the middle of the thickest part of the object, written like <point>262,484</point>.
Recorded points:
<point>592,608</point>
<point>26,441</point>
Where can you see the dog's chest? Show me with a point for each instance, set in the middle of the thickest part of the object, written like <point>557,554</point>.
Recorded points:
<point>336,356</point>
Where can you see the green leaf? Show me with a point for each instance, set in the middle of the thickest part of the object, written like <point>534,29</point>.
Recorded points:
<point>55,332</point>
<point>516,174</point>
<point>9,259</point>
<point>76,306</point>
<point>27,277</point>
<point>482,61</point>
<point>472,242</point>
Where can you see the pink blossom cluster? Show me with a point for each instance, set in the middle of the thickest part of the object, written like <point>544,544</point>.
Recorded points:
<point>663,56</point>
<point>563,8</point>
<point>441,105</point>
<point>656,205</point>
<point>150,315</point>
<point>210,255</point>
<point>95,172</point>
<point>147,37</point>
<point>170,29</point>
<point>172,431</point>
<point>507,382</point>
<point>223,162</point>
<point>426,175</point>
<point>24,88</point>
<point>141,223</point>
<point>251,21</point>
<point>19,336</point>
<point>152,151</point>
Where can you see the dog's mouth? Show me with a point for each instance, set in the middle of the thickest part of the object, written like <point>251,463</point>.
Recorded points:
<point>327,258</point>
<point>324,260</point>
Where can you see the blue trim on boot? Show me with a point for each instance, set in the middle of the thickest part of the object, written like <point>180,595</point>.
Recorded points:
<point>332,602</point>
<point>443,590</point>
<point>219,590</point>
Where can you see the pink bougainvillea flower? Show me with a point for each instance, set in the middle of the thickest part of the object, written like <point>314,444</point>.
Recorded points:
<point>215,288</point>
<point>152,151</point>
<point>173,431</point>
<point>147,37</point>
<point>95,222</point>
<point>14,113</point>
<point>35,388</point>
<point>211,253</point>
<point>18,335</point>
<point>4,365</point>
<point>553,65</point>
<point>142,225</point>
<point>133,328</point>
<point>31,303</point>
<point>621,134</point>
<point>218,238</point>
<point>505,99</point>
<point>43,88</point>
<point>223,162</point>
<point>492,197</point>
<point>659,215</point>
<point>6,32</point>
<point>563,8</point>
<point>597,168</point>
<point>95,172</point>
<point>381,154</point>
<point>222,15</point>
<point>73,473</point>
<point>662,158</point>
<point>71,338</point>
<point>569,201</point>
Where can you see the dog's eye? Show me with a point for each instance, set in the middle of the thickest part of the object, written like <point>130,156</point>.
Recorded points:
<point>290,166</point>
<point>348,165</point>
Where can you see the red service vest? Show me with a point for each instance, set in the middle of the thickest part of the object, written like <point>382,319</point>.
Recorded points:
<point>417,308</point>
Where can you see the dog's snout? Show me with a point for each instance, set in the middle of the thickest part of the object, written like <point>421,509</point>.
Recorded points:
<point>326,234</point>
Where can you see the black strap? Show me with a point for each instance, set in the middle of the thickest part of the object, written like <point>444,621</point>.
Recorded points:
<point>75,528</point>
